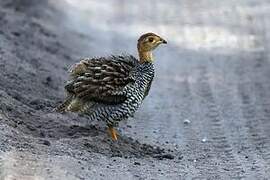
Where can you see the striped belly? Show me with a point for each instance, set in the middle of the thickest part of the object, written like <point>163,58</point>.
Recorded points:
<point>112,114</point>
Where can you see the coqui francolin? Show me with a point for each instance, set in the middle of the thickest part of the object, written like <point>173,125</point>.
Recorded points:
<point>112,88</point>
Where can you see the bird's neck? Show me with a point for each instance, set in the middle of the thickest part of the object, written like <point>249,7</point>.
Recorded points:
<point>145,56</point>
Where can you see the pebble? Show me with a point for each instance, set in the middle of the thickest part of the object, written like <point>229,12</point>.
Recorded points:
<point>46,142</point>
<point>180,157</point>
<point>204,140</point>
<point>16,34</point>
<point>186,121</point>
<point>137,163</point>
<point>165,156</point>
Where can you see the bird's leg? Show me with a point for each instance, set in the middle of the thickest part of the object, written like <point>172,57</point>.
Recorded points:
<point>113,133</point>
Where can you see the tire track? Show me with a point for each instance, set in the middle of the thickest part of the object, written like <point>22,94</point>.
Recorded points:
<point>202,157</point>
<point>255,135</point>
<point>222,148</point>
<point>256,107</point>
<point>249,109</point>
<point>227,97</point>
<point>262,98</point>
<point>194,134</point>
<point>236,137</point>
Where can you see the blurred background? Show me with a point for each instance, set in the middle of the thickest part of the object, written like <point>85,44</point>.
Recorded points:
<point>209,103</point>
<point>225,27</point>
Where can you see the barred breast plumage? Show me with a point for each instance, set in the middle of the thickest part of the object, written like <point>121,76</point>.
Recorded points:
<point>111,89</point>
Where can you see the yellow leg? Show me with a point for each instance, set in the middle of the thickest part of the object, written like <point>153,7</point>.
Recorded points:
<point>113,133</point>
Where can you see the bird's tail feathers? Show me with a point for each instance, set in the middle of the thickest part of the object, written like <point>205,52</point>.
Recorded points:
<point>74,104</point>
<point>63,107</point>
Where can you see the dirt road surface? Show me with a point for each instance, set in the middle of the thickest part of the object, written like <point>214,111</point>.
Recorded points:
<point>208,112</point>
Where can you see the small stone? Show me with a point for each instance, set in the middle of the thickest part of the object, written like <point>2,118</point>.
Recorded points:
<point>204,140</point>
<point>137,163</point>
<point>16,34</point>
<point>46,142</point>
<point>19,122</point>
<point>180,157</point>
<point>42,134</point>
<point>186,121</point>
<point>165,156</point>
<point>168,156</point>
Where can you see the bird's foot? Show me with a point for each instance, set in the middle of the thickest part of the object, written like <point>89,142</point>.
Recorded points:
<point>113,133</point>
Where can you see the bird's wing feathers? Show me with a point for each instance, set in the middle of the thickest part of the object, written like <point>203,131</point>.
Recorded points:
<point>101,79</point>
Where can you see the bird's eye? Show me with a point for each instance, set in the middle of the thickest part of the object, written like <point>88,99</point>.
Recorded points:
<point>151,39</point>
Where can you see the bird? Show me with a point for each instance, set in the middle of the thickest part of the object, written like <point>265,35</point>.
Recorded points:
<point>111,88</point>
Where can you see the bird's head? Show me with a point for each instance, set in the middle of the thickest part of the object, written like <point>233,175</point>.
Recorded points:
<point>146,44</point>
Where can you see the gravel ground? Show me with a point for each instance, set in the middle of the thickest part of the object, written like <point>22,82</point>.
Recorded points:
<point>207,115</point>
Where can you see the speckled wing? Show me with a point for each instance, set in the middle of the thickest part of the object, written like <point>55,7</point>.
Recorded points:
<point>102,79</point>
